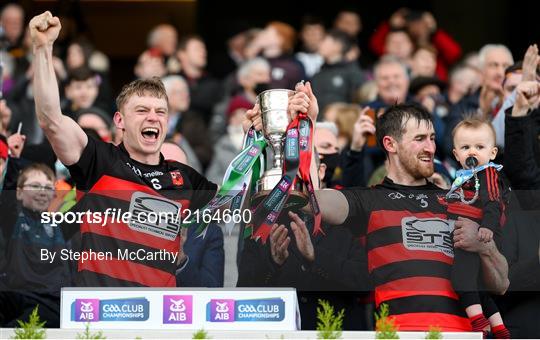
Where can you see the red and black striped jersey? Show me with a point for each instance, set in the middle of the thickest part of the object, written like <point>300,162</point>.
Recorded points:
<point>410,253</point>
<point>113,184</point>
<point>489,209</point>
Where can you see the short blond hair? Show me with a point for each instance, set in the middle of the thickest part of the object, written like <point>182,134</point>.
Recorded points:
<point>140,87</point>
<point>475,123</point>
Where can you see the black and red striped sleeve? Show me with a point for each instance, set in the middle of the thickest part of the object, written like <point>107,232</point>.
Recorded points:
<point>491,198</point>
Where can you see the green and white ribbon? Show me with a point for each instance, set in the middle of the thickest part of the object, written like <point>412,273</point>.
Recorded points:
<point>242,173</point>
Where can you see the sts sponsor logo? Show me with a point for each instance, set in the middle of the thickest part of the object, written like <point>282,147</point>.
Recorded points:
<point>177,309</point>
<point>430,234</point>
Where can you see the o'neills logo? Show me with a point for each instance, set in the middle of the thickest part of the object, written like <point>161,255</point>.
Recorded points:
<point>92,310</point>
<point>177,309</point>
<point>228,310</point>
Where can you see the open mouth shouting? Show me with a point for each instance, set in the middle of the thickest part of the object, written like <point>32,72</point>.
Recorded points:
<point>150,134</point>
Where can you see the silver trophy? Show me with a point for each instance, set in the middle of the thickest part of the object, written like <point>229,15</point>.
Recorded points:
<point>274,109</point>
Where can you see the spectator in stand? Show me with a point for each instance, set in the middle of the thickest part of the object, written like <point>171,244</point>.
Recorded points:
<point>521,157</point>
<point>338,80</point>
<point>354,162</point>
<point>224,63</point>
<point>521,235</point>
<point>428,91</point>
<point>276,43</point>
<point>253,76</point>
<point>27,280</point>
<point>163,39</point>
<point>464,81</point>
<point>424,61</point>
<point>185,124</point>
<point>81,90</point>
<point>398,43</point>
<point>325,139</point>
<point>312,33</point>
<point>96,119</point>
<point>392,82</point>
<point>522,70</point>
<point>81,54</point>
<point>229,145</point>
<point>205,91</point>
<point>392,88</point>
<point>21,101</point>
<point>150,64</point>
<point>12,21</point>
<point>422,26</point>
<point>349,21</point>
<point>484,103</point>
<point>345,119</point>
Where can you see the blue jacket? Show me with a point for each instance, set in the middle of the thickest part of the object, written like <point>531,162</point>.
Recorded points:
<point>206,259</point>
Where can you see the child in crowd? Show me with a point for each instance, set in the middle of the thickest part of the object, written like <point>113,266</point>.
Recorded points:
<point>27,280</point>
<point>478,193</point>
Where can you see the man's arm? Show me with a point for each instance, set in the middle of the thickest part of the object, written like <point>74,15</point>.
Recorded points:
<point>66,137</point>
<point>494,268</point>
<point>334,206</point>
<point>494,264</point>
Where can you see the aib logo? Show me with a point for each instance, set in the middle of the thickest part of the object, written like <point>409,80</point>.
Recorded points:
<point>253,151</point>
<point>87,310</point>
<point>177,309</point>
<point>292,133</point>
<point>221,310</point>
<point>284,185</point>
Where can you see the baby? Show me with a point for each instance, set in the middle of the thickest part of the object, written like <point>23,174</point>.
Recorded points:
<point>478,193</point>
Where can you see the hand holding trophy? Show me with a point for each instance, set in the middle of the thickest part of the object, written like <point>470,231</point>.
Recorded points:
<point>288,129</point>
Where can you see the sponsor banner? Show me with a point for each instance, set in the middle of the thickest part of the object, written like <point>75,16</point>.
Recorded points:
<point>162,308</point>
<point>220,310</point>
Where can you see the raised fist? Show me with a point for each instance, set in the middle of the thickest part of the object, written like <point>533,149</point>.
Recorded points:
<point>44,29</point>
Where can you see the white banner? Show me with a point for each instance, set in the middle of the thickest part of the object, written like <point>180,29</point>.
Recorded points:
<point>180,308</point>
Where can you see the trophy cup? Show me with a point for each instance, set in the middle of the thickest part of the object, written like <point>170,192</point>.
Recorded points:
<point>273,105</point>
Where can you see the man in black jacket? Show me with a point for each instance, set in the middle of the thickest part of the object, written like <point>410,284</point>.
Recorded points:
<point>338,80</point>
<point>521,234</point>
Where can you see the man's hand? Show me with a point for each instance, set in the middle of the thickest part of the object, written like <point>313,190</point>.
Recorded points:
<point>487,96</point>
<point>301,234</point>
<point>527,97</point>
<point>485,235</point>
<point>466,236</point>
<point>253,117</point>
<point>302,101</point>
<point>279,244</point>
<point>363,126</point>
<point>16,144</point>
<point>181,255</point>
<point>313,107</point>
<point>530,63</point>
<point>44,29</point>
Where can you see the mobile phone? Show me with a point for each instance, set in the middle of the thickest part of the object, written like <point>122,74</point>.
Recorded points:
<point>371,138</point>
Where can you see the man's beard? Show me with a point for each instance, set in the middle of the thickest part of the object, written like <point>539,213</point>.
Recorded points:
<point>415,168</point>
